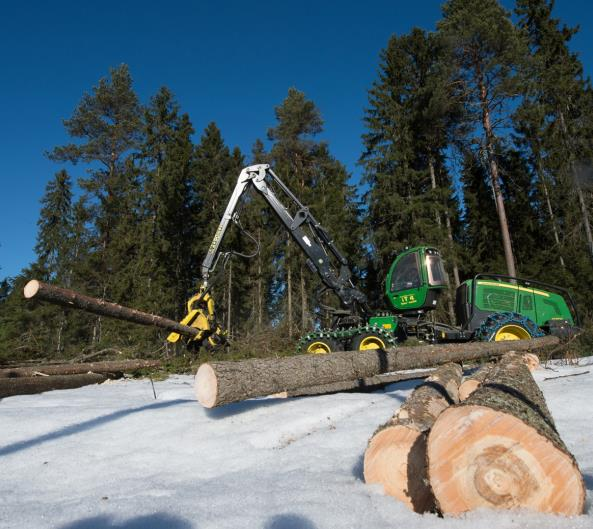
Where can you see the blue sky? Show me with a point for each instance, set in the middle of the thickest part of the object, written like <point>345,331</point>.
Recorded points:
<point>230,62</point>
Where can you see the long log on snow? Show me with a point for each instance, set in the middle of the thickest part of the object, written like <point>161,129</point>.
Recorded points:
<point>31,385</point>
<point>119,366</point>
<point>219,383</point>
<point>68,298</point>
<point>396,454</point>
<point>500,449</point>
<point>360,385</point>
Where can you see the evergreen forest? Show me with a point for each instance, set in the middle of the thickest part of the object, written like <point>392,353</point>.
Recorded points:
<point>478,141</point>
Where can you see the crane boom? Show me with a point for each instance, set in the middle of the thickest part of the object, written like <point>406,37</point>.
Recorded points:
<point>311,237</point>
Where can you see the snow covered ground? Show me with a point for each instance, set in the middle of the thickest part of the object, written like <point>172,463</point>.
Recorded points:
<point>111,456</point>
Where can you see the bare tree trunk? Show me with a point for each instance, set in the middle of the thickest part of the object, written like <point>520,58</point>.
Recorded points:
<point>68,298</point>
<point>494,176</point>
<point>289,289</point>
<point>451,293</point>
<point>582,203</point>
<point>230,300</point>
<point>501,449</point>
<point>304,310</point>
<point>542,179</point>
<point>259,284</point>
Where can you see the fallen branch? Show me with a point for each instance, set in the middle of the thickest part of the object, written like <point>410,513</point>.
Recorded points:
<point>569,375</point>
<point>123,366</point>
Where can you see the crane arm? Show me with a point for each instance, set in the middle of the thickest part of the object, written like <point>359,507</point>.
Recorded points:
<point>311,237</point>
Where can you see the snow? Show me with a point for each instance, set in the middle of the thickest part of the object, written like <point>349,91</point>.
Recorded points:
<point>113,456</point>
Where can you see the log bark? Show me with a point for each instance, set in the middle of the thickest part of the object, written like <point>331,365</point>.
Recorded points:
<point>219,383</point>
<point>360,385</point>
<point>500,449</point>
<point>396,454</point>
<point>31,385</point>
<point>68,298</point>
<point>124,366</point>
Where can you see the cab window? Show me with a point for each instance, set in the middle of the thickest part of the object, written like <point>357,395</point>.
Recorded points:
<point>436,271</point>
<point>406,274</point>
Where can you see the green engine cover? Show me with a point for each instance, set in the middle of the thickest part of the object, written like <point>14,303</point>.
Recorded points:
<point>539,305</point>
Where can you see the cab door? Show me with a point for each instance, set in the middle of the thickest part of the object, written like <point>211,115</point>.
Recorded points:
<point>406,290</point>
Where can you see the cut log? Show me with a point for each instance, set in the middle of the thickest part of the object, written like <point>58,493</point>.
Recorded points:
<point>360,385</point>
<point>531,361</point>
<point>219,383</point>
<point>31,385</point>
<point>68,298</point>
<point>396,455</point>
<point>120,366</point>
<point>500,449</point>
<point>473,381</point>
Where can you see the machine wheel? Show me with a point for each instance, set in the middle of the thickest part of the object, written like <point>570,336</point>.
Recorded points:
<point>367,341</point>
<point>502,326</point>
<point>320,346</point>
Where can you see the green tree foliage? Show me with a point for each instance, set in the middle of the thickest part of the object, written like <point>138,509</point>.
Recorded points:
<point>320,182</point>
<point>554,128</point>
<point>488,54</point>
<point>410,122</point>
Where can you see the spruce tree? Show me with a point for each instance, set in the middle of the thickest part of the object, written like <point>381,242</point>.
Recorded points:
<point>55,226</point>
<point>320,182</point>
<point>555,120</point>
<point>410,122</point>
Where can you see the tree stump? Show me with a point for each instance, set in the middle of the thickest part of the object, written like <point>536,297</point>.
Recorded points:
<point>396,454</point>
<point>500,449</point>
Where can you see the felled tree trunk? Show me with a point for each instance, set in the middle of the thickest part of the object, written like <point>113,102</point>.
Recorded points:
<point>68,298</point>
<point>123,366</point>
<point>396,455</point>
<point>31,385</point>
<point>500,449</point>
<point>219,383</point>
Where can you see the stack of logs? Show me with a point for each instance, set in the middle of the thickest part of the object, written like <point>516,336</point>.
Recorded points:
<point>29,380</point>
<point>456,444</point>
<point>487,441</point>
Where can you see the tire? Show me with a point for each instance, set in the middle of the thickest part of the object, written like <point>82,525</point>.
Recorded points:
<point>367,341</point>
<point>320,346</point>
<point>501,326</point>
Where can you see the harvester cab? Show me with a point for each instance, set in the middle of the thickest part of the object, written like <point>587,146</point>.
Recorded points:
<point>415,280</point>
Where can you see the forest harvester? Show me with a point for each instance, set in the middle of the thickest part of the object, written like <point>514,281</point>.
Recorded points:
<point>488,306</point>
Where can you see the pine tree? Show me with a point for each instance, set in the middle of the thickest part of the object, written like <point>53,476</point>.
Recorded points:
<point>107,123</point>
<point>488,53</point>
